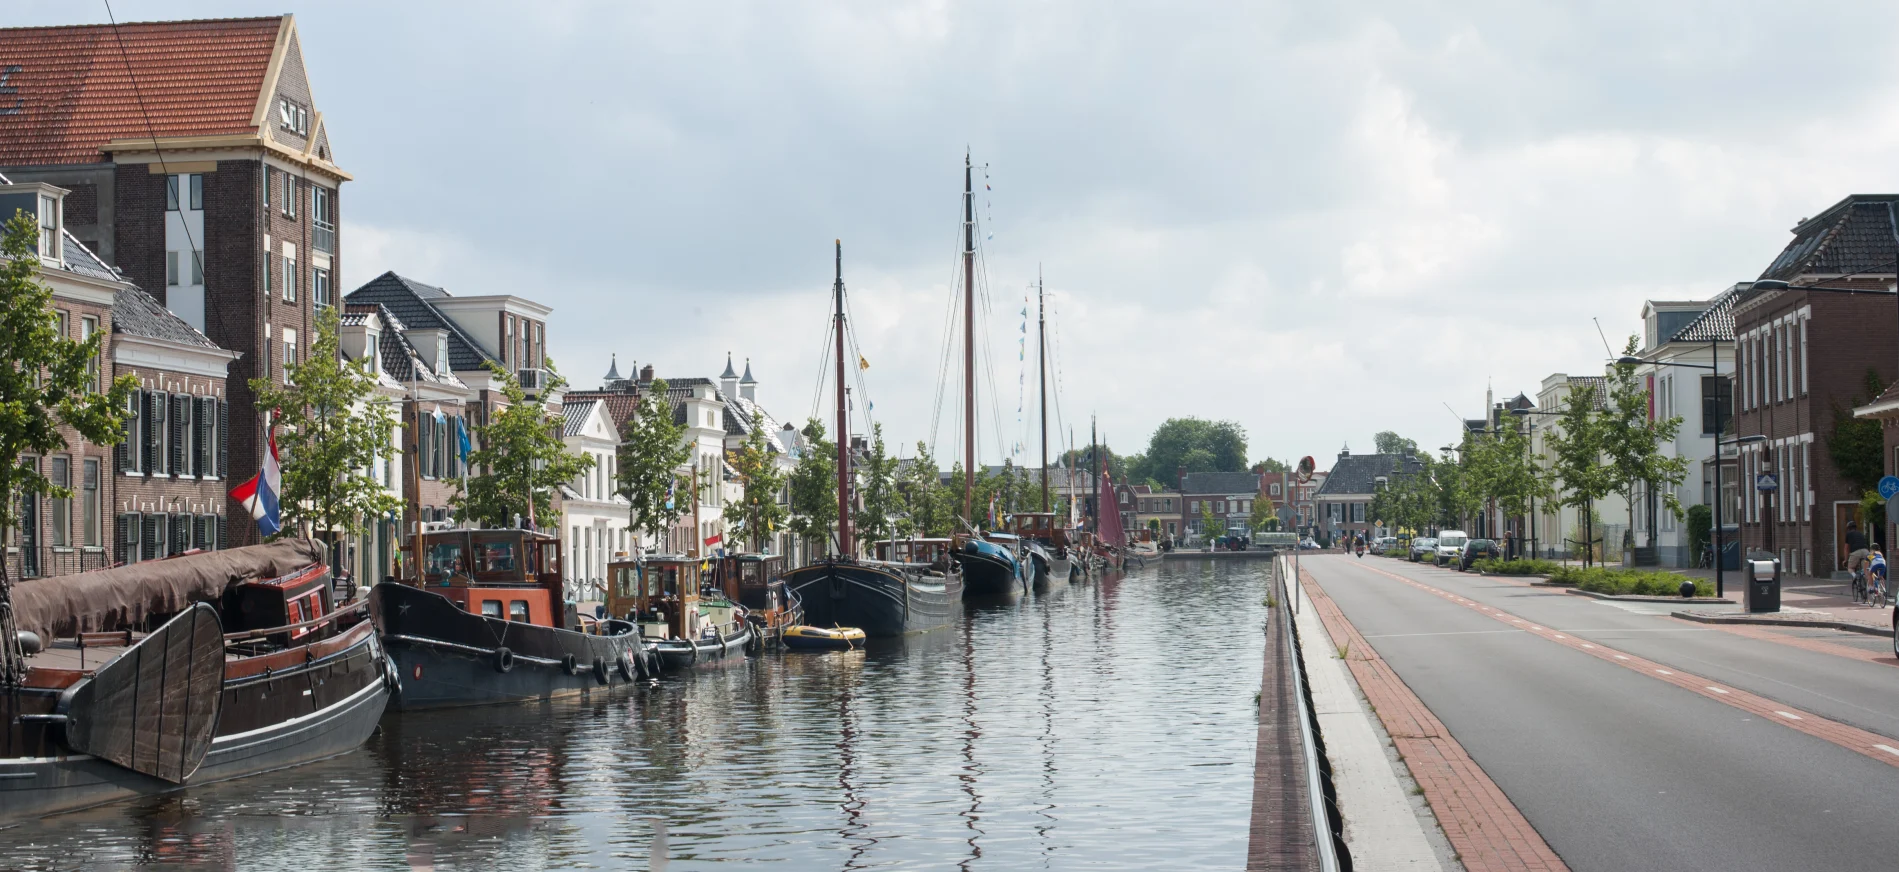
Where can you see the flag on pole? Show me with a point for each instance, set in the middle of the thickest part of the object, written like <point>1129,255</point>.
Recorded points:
<point>461,439</point>
<point>259,495</point>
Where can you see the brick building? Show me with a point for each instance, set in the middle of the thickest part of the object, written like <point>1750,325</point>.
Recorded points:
<point>1803,355</point>
<point>1343,501</point>
<point>1229,495</point>
<point>199,166</point>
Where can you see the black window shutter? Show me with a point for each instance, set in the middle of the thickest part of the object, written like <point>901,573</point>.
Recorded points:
<point>224,440</point>
<point>222,533</point>
<point>153,401</point>
<point>148,536</point>
<point>425,440</point>
<point>207,420</point>
<point>119,551</point>
<point>180,534</point>
<point>177,423</point>
<point>125,454</point>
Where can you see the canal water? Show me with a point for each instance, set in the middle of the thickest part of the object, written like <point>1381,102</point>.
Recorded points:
<point>1107,725</point>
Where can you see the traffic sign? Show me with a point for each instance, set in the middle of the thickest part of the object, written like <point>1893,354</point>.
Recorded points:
<point>1766,483</point>
<point>1892,509</point>
<point>1889,486</point>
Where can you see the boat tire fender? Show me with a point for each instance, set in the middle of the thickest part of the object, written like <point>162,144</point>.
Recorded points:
<point>692,652</point>
<point>571,664</point>
<point>754,644</point>
<point>625,666</point>
<point>504,660</point>
<point>600,672</point>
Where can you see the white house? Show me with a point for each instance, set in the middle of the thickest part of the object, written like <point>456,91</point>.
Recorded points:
<point>1559,528</point>
<point>593,512</point>
<point>1690,349</point>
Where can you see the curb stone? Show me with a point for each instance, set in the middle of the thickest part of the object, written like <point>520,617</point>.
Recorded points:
<point>1849,626</point>
<point>1638,598</point>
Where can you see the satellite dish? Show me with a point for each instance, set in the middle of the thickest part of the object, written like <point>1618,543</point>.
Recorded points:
<point>1306,467</point>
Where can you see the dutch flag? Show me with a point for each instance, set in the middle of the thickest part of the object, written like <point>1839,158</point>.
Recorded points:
<point>259,495</point>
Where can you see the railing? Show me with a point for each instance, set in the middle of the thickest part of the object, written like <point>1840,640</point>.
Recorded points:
<point>323,236</point>
<point>46,561</point>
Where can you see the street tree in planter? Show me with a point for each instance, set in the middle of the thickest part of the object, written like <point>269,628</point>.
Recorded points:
<point>1504,471</point>
<point>652,449</point>
<point>1576,442</point>
<point>882,502</point>
<point>51,382</point>
<point>1263,517</point>
<point>925,499</point>
<point>518,459</point>
<point>1212,526</point>
<point>757,513</point>
<point>1632,439</point>
<point>331,430</point>
<point>814,488</point>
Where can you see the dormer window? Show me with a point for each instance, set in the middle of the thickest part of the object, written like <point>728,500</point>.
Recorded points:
<point>369,353</point>
<point>441,355</point>
<point>293,117</point>
<point>49,227</point>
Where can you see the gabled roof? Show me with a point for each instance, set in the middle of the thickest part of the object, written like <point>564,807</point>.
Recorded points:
<point>574,416</point>
<point>76,84</point>
<point>1220,483</point>
<point>136,313</point>
<point>1855,235</point>
<point>1715,323</point>
<point>412,302</point>
<point>1356,474</point>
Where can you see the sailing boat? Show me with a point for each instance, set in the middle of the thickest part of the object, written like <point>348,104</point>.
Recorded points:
<point>880,597</point>
<point>1044,544</point>
<point>990,568</point>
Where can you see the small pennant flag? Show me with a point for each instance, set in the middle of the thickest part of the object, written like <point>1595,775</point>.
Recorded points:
<point>862,362</point>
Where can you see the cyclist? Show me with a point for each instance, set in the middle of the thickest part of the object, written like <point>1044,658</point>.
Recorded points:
<point>1876,576</point>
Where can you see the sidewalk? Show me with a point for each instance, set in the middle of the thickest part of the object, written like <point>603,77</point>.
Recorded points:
<point>1802,599</point>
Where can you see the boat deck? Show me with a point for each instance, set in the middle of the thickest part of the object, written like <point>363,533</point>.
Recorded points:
<point>67,654</point>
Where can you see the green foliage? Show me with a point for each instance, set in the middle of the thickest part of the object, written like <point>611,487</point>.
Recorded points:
<point>333,430</point>
<point>651,452</point>
<point>1520,566</point>
<point>814,487</point>
<point>49,382</point>
<point>520,458</point>
<point>1271,464</point>
<point>1211,525</point>
<point>926,500</point>
<point>1858,445</point>
<point>1503,469</point>
<point>1263,517</point>
<point>877,491</point>
<point>1700,528</point>
<point>1400,553</point>
<point>1121,468</point>
<point>1872,510</point>
<point>1577,443</point>
<point>1633,441</point>
<point>1388,442</point>
<point>1628,582</point>
<point>756,514</point>
<point>1199,445</point>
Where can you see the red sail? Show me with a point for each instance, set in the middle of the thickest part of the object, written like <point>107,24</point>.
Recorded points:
<point>1108,512</point>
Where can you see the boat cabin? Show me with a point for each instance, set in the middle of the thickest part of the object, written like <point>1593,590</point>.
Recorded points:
<point>508,574</point>
<point>748,579</point>
<point>659,593</point>
<point>288,602</point>
<point>1041,527</point>
<point>936,553</point>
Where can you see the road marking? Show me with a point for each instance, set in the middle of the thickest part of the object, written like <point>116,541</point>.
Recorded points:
<point>1561,636</point>
<point>1449,633</point>
<point>1851,738</point>
<point>1535,627</point>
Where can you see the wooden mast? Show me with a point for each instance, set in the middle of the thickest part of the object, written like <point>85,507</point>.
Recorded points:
<point>844,543</point>
<point>1041,365</point>
<point>969,341</point>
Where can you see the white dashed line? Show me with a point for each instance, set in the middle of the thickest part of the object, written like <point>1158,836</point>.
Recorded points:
<point>1888,749</point>
<point>1664,672</point>
<point>1587,645</point>
<point>1788,715</point>
<point>1561,636</point>
<point>1717,690</point>
<point>1535,627</point>
<point>1621,656</point>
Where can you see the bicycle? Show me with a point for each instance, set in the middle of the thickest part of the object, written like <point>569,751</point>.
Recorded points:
<point>1879,598</point>
<point>1859,585</point>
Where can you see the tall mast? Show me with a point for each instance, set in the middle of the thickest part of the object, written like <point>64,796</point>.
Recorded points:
<point>1094,454</point>
<point>1041,365</point>
<point>969,339</point>
<point>844,543</point>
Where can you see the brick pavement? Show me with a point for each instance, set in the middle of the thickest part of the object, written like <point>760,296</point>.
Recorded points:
<point>1281,830</point>
<point>1481,823</point>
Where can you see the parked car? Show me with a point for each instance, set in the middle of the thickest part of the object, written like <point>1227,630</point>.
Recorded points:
<point>1422,547</point>
<point>1450,546</point>
<point>1384,543</point>
<point>1308,545</point>
<point>1479,549</point>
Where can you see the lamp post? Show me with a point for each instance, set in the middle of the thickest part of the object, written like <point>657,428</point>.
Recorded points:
<point>1524,413</point>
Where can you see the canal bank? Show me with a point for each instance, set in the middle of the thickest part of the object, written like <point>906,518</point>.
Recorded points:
<point>1042,730</point>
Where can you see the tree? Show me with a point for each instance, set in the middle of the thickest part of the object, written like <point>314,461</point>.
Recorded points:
<point>1576,443</point>
<point>1211,525</point>
<point>1388,442</point>
<point>927,501</point>
<point>1632,439</point>
<point>877,490</point>
<point>652,449</point>
<point>50,382</point>
<point>520,457</point>
<point>757,512</point>
<point>1271,464</point>
<point>1858,445</point>
<point>814,487</point>
<point>335,429</point>
<point>1222,445</point>
<point>1263,517</point>
<point>1503,471</point>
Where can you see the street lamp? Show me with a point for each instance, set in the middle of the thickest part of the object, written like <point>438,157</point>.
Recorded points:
<point>1524,413</point>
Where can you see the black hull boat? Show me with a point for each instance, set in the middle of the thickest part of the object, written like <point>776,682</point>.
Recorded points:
<point>82,732</point>
<point>1046,566</point>
<point>446,657</point>
<point>989,570</point>
<point>882,599</point>
<point>684,654</point>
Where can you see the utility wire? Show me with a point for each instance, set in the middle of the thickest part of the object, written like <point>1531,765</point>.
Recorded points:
<point>138,95</point>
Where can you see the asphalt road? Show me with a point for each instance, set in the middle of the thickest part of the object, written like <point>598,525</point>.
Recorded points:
<point>1619,771</point>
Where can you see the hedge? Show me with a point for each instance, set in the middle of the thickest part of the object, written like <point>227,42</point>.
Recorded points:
<point>1628,581</point>
<point>1521,566</point>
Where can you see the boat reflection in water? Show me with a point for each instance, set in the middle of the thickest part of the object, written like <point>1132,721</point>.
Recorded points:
<point>913,590</point>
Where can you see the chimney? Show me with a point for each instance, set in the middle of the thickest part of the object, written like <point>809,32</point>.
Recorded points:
<point>646,374</point>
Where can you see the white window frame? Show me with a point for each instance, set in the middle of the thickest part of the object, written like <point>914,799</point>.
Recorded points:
<point>1804,318</point>
<point>171,269</point>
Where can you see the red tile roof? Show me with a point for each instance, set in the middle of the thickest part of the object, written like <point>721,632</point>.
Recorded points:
<point>75,86</point>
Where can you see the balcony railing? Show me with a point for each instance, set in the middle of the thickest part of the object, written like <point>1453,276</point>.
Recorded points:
<point>46,561</point>
<point>323,236</point>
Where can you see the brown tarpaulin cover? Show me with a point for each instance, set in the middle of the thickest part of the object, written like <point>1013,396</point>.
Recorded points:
<point>114,599</point>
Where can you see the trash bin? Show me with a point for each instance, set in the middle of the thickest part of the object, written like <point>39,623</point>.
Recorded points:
<point>1763,583</point>
<point>1731,547</point>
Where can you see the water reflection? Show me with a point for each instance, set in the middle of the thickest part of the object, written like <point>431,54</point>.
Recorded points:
<point>1094,725</point>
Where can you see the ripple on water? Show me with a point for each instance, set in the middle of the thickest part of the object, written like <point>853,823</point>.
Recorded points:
<point>1106,726</point>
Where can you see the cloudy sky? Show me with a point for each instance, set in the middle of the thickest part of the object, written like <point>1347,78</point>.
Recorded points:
<point>1317,219</point>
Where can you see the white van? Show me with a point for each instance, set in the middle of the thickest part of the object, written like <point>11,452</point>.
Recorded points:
<point>1450,546</point>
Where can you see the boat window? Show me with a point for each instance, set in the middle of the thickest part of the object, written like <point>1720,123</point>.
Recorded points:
<point>445,558</point>
<point>518,610</point>
<point>495,557</point>
<point>491,608</point>
<point>624,577</point>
